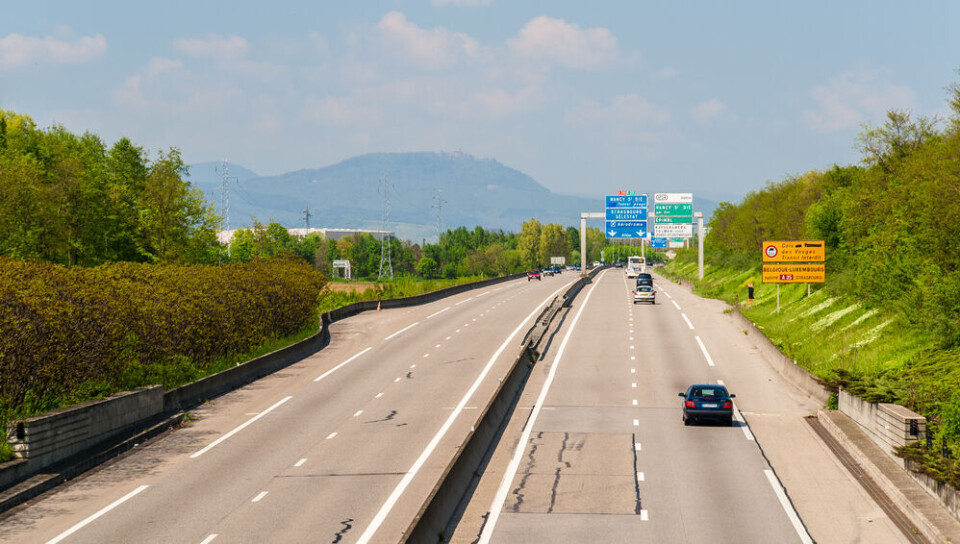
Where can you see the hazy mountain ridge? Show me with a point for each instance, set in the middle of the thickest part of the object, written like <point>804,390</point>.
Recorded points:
<point>347,194</point>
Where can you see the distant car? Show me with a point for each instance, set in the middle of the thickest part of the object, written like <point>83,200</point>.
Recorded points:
<point>644,276</point>
<point>706,401</point>
<point>533,275</point>
<point>595,264</point>
<point>645,293</point>
<point>557,269</point>
<point>547,271</point>
<point>571,267</point>
<point>619,264</point>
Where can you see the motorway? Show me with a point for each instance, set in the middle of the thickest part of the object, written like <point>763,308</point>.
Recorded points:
<point>343,446</point>
<point>346,445</point>
<point>596,450</point>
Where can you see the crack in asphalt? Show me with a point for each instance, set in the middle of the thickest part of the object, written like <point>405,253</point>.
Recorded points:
<point>391,415</point>
<point>339,535</point>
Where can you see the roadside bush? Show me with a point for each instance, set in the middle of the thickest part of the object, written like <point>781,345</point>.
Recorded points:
<point>70,334</point>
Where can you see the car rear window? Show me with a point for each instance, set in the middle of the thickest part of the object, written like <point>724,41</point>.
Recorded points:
<point>710,392</point>
<point>644,289</point>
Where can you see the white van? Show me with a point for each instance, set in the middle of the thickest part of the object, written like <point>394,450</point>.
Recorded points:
<point>634,266</point>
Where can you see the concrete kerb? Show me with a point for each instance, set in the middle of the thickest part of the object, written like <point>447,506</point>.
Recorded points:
<point>869,463</point>
<point>446,499</point>
<point>23,485</point>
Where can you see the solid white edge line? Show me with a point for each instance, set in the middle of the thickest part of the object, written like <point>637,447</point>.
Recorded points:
<point>209,539</point>
<point>240,428</point>
<point>99,513</point>
<point>739,417</point>
<point>788,508</point>
<point>403,330</point>
<point>438,313</point>
<point>675,304</point>
<point>418,464</point>
<point>704,350</point>
<point>689,324</point>
<point>341,365</point>
<point>501,497</point>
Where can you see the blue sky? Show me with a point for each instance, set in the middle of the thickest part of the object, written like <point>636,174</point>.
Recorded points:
<point>716,98</point>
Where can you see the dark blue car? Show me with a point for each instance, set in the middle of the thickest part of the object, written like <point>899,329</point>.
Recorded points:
<point>707,401</point>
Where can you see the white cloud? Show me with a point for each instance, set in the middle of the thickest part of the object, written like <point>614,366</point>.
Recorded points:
<point>431,49</point>
<point>159,65</point>
<point>214,46</point>
<point>628,109</point>
<point>461,3</point>
<point>563,43</point>
<point>334,111</point>
<point>709,110</point>
<point>853,98</point>
<point>500,102</point>
<point>17,50</point>
<point>667,72</point>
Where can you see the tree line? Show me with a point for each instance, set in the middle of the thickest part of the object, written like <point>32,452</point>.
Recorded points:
<point>72,200</point>
<point>891,225</point>
<point>459,252</point>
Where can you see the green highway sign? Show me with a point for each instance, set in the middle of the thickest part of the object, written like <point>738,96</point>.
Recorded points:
<point>669,219</point>
<point>673,209</point>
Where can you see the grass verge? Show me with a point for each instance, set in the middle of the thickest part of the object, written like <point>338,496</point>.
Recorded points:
<point>873,352</point>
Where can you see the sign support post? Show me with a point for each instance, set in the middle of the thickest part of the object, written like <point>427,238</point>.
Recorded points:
<point>699,216</point>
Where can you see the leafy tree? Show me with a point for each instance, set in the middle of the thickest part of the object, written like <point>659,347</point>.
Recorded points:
<point>427,268</point>
<point>554,242</point>
<point>529,243</point>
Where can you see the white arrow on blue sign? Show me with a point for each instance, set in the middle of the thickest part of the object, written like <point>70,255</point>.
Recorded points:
<point>658,242</point>
<point>626,229</point>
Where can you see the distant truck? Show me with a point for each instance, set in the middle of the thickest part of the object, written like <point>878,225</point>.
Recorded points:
<point>634,266</point>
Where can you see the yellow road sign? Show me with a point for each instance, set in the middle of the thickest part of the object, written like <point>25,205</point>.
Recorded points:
<point>795,251</point>
<point>794,273</point>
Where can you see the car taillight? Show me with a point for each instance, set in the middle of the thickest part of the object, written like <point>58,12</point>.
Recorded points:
<point>727,405</point>
<point>690,404</point>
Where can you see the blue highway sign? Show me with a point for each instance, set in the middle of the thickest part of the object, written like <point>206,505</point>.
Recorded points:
<point>626,229</point>
<point>626,201</point>
<point>658,242</point>
<point>626,214</point>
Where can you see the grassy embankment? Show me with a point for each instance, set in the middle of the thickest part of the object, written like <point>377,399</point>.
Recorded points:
<point>870,351</point>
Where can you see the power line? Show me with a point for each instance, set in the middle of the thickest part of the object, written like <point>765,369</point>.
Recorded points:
<point>438,203</point>
<point>386,266</point>
<point>225,193</point>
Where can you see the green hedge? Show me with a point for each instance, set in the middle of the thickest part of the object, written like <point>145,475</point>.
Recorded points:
<point>69,334</point>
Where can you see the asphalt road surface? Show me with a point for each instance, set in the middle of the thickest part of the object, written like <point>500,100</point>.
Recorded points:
<point>343,446</point>
<point>596,450</point>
